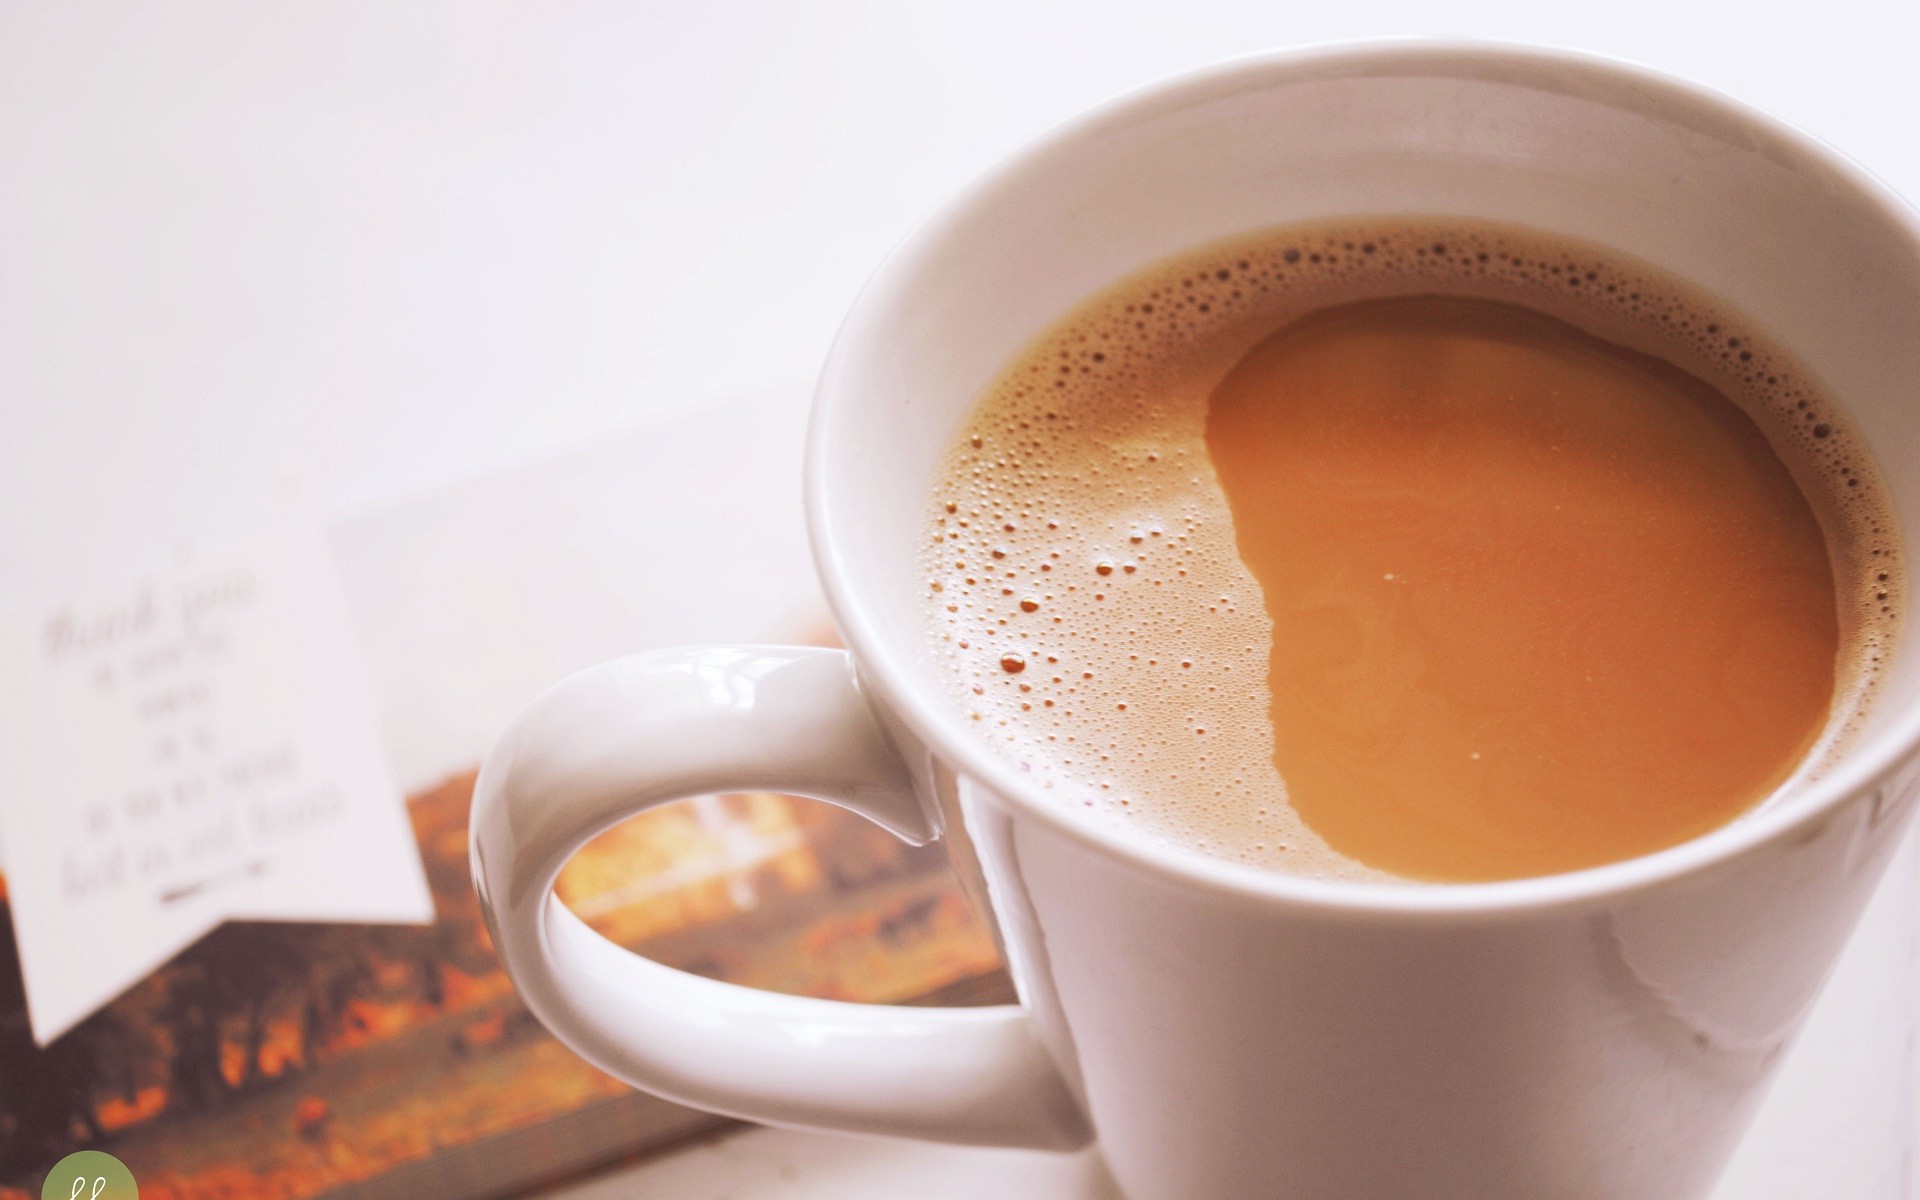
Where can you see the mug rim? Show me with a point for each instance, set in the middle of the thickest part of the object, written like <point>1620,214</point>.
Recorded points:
<point>1658,94</point>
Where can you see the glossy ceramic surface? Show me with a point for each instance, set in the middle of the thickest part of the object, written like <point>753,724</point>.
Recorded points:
<point>1227,1032</point>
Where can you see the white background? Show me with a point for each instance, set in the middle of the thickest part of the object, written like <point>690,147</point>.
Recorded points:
<point>261,260</point>
<point>261,263</point>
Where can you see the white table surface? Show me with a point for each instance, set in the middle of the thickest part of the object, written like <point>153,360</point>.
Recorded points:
<point>263,264</point>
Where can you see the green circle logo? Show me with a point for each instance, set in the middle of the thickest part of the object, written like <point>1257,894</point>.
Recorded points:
<point>90,1175</point>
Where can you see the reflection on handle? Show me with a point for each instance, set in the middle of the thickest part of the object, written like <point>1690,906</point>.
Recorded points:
<point>638,732</point>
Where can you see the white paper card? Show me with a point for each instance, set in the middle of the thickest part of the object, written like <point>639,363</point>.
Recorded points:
<point>195,746</point>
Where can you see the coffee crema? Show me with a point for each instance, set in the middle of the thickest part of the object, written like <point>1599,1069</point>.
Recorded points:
<point>1410,549</point>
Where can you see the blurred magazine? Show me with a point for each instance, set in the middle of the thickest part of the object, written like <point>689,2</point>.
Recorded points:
<point>296,1060</point>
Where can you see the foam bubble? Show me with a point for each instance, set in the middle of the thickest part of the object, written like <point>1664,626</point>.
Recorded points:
<point>1083,582</point>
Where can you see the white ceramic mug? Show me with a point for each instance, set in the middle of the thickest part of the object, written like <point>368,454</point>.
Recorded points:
<point>1228,1032</point>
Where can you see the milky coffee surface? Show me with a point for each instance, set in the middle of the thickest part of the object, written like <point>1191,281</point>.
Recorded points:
<point>1082,579</point>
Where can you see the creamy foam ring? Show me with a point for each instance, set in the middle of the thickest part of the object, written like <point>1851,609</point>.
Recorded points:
<point>1084,587</point>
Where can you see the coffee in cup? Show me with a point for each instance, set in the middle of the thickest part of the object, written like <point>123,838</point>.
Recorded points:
<point>1407,548</point>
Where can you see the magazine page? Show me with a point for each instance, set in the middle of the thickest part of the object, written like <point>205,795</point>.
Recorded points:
<point>312,1058</point>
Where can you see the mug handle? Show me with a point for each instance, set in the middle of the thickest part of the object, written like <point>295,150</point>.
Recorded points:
<point>638,732</point>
